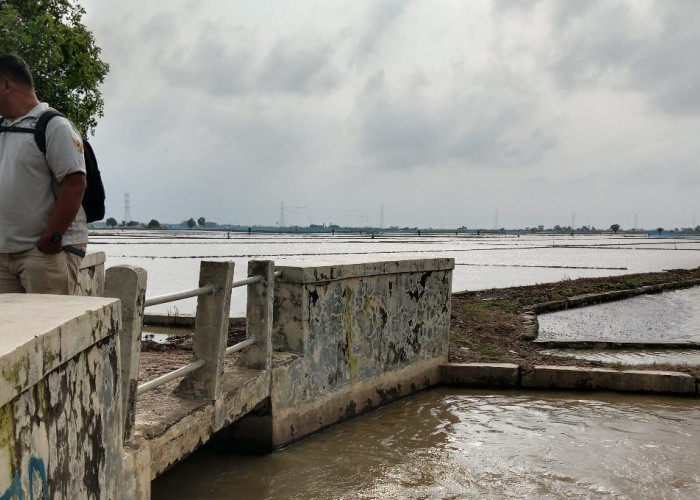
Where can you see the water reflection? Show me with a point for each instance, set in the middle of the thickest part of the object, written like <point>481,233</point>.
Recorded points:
<point>461,443</point>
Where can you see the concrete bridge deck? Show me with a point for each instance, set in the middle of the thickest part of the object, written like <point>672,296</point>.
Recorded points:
<point>175,425</point>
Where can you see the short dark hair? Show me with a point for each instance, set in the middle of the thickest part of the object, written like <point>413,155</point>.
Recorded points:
<point>16,69</point>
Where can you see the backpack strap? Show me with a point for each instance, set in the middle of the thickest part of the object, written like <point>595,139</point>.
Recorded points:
<point>40,129</point>
<point>13,128</point>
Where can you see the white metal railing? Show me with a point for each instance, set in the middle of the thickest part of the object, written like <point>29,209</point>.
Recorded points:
<point>163,379</point>
<point>196,365</point>
<point>240,346</point>
<point>172,297</point>
<point>204,290</point>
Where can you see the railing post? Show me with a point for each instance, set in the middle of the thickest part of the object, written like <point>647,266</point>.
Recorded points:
<point>128,284</point>
<point>259,316</point>
<point>211,331</point>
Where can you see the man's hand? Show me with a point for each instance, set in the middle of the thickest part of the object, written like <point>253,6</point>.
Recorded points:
<point>68,199</point>
<point>45,245</point>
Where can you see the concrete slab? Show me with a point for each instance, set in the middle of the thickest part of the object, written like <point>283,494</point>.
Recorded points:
<point>40,332</point>
<point>25,316</point>
<point>657,381</point>
<point>593,379</point>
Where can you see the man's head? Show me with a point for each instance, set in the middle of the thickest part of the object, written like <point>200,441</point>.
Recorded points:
<point>14,68</point>
<point>17,95</point>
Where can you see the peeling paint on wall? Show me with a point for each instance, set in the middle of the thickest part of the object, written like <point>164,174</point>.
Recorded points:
<point>61,437</point>
<point>370,320</point>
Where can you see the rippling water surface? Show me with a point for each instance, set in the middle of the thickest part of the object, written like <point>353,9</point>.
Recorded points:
<point>447,443</point>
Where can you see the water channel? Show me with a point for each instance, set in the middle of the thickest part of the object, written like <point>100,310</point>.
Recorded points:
<point>456,443</point>
<point>446,442</point>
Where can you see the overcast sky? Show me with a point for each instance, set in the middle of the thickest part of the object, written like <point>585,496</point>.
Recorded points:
<point>443,112</point>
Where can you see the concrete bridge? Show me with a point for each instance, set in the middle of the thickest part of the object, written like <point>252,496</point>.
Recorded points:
<point>324,343</point>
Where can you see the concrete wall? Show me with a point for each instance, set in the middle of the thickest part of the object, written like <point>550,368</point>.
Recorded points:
<point>360,336</point>
<point>60,410</point>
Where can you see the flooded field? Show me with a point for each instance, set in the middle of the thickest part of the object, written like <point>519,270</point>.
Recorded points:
<point>667,317</point>
<point>466,444</point>
<point>172,258</point>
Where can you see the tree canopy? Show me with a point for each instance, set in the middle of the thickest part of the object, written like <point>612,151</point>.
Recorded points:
<point>61,52</point>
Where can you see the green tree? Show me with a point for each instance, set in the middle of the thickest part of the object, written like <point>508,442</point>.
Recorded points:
<point>61,52</point>
<point>615,228</point>
<point>154,224</point>
<point>191,223</point>
<point>132,223</point>
<point>202,221</point>
<point>111,222</point>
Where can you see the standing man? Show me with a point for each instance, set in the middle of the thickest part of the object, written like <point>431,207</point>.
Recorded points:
<point>42,223</point>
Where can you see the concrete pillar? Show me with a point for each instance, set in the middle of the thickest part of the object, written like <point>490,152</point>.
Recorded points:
<point>91,275</point>
<point>259,315</point>
<point>211,330</point>
<point>136,484</point>
<point>128,284</point>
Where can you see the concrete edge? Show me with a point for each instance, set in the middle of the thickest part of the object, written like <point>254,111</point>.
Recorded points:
<point>32,359</point>
<point>315,272</point>
<point>571,378</point>
<point>610,296</point>
<point>604,344</point>
<point>92,259</point>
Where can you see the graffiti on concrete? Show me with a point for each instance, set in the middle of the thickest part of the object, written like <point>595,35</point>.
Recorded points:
<point>38,485</point>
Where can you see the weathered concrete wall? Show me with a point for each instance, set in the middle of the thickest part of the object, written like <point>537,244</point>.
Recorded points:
<point>60,408</point>
<point>91,277</point>
<point>365,335</point>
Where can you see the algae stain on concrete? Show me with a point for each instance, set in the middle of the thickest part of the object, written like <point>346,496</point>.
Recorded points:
<point>7,442</point>
<point>347,316</point>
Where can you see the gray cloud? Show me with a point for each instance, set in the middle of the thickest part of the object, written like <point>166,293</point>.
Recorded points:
<point>378,26</point>
<point>219,62</point>
<point>540,108</point>
<point>605,43</point>
<point>398,137</point>
<point>289,68</point>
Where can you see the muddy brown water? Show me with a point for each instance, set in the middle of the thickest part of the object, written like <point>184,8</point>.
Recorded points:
<point>458,443</point>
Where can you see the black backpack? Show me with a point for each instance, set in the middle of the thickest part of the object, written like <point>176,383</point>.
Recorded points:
<point>94,197</point>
